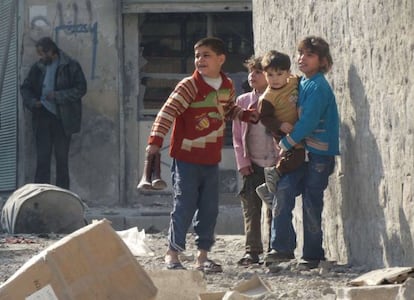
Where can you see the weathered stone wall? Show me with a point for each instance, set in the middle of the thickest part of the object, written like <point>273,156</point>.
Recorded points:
<point>369,211</point>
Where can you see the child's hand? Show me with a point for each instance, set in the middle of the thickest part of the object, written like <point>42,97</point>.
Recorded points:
<point>246,171</point>
<point>152,149</point>
<point>286,127</point>
<point>249,115</point>
<point>254,116</point>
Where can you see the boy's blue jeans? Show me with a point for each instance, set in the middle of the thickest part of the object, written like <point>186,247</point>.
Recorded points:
<point>196,199</point>
<point>310,180</point>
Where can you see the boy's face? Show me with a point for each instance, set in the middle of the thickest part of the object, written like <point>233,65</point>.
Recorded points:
<point>309,62</point>
<point>207,62</point>
<point>257,80</point>
<point>277,79</point>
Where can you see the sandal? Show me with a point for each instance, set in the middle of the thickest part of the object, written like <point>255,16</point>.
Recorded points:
<point>209,266</point>
<point>249,259</point>
<point>174,266</point>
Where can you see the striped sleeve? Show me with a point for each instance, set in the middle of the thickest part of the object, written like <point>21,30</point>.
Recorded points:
<point>176,104</point>
<point>231,110</point>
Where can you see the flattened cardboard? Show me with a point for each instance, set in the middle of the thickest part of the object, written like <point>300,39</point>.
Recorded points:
<point>178,284</point>
<point>91,263</point>
<point>235,295</point>
<point>384,276</point>
<point>252,288</point>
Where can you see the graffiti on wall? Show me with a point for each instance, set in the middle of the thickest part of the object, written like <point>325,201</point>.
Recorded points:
<point>69,26</point>
<point>81,28</point>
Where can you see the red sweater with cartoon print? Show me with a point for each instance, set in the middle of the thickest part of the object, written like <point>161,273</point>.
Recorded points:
<point>198,113</point>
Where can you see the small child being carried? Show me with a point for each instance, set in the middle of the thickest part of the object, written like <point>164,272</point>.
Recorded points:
<point>278,113</point>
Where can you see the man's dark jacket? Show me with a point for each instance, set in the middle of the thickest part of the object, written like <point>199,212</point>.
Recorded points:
<point>70,87</point>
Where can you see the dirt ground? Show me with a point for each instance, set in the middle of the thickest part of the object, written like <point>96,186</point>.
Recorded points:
<point>286,280</point>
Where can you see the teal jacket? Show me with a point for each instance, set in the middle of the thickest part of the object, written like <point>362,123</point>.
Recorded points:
<point>70,87</point>
<point>318,123</point>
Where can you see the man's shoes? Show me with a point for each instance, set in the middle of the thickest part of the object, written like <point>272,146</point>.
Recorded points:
<point>265,195</point>
<point>277,257</point>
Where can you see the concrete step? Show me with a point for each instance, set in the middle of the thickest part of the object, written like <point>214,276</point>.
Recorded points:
<point>156,219</point>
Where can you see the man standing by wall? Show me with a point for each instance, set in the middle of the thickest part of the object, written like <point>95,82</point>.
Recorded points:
<point>52,91</point>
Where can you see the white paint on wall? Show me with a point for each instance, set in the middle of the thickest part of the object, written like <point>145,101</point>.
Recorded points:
<point>36,11</point>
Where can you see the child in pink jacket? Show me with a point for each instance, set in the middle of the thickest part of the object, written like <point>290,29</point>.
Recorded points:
<point>254,150</point>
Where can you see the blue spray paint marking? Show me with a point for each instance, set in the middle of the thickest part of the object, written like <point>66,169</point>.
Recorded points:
<point>82,28</point>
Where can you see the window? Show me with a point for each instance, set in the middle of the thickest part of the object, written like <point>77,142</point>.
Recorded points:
<point>167,55</point>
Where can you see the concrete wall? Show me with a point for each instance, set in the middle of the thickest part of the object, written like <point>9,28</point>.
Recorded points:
<point>369,211</point>
<point>88,31</point>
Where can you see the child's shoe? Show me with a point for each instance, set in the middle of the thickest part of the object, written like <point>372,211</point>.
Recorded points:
<point>145,182</point>
<point>265,195</point>
<point>157,183</point>
<point>271,178</point>
<point>151,176</point>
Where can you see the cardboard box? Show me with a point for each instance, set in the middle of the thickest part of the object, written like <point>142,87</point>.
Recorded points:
<point>178,284</point>
<point>253,288</point>
<point>91,263</point>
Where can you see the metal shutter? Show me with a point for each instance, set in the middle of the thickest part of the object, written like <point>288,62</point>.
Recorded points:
<point>8,95</point>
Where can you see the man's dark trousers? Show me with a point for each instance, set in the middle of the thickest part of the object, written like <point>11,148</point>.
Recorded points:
<point>51,136</point>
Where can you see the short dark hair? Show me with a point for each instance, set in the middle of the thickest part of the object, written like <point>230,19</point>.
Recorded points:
<point>214,43</point>
<point>47,44</point>
<point>254,63</point>
<point>320,47</point>
<point>276,60</point>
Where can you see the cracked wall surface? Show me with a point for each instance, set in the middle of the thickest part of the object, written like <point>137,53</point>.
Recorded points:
<point>369,211</point>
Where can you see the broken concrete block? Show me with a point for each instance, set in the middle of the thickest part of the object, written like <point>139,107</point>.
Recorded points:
<point>384,276</point>
<point>406,290</point>
<point>377,292</point>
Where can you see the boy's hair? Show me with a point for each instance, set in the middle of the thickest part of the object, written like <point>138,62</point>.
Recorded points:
<point>214,43</point>
<point>254,63</point>
<point>320,47</point>
<point>47,44</point>
<point>276,60</point>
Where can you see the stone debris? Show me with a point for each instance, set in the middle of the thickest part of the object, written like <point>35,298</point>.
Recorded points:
<point>288,283</point>
<point>384,276</point>
<point>395,283</point>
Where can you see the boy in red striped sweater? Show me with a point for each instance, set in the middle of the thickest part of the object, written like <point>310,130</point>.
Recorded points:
<point>197,110</point>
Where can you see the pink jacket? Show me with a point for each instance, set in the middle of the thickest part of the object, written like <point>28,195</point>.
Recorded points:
<point>247,100</point>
